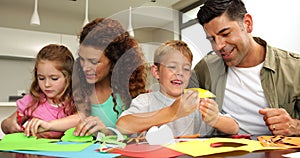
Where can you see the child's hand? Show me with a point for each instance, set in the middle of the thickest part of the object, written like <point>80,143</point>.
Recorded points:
<point>209,110</point>
<point>12,124</point>
<point>186,104</point>
<point>35,126</point>
<point>89,126</point>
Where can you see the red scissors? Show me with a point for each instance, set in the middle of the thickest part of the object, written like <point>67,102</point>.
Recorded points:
<point>19,120</point>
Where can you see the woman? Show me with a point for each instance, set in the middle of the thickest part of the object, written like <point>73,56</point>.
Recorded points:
<point>109,72</point>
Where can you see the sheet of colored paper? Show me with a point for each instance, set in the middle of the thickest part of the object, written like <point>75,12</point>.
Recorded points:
<point>17,141</point>
<point>203,93</point>
<point>203,147</point>
<point>146,150</point>
<point>90,151</point>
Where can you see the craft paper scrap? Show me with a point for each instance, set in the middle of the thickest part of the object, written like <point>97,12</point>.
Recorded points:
<point>160,135</point>
<point>280,141</point>
<point>203,147</point>
<point>69,137</point>
<point>203,93</point>
<point>90,151</point>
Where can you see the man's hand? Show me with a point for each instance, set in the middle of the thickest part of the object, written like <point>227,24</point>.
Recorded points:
<point>280,122</point>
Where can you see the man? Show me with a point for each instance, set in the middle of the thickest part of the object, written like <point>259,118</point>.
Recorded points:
<point>257,84</point>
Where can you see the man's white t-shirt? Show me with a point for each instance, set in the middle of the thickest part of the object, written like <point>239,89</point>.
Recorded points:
<point>244,97</point>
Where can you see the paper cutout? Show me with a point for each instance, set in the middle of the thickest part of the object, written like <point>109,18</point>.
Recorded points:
<point>139,139</point>
<point>111,141</point>
<point>146,150</point>
<point>280,141</point>
<point>203,93</point>
<point>160,136</point>
<point>69,137</point>
<point>203,147</point>
<point>120,137</point>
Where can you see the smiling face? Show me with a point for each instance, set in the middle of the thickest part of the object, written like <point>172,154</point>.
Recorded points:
<point>95,65</point>
<point>51,81</point>
<point>230,39</point>
<point>173,73</point>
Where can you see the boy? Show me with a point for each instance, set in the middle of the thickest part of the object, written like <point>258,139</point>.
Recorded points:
<point>181,112</point>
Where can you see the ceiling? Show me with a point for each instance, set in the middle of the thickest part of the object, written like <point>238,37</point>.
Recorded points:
<point>67,16</point>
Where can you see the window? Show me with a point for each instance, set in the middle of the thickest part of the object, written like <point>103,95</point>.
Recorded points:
<point>192,32</point>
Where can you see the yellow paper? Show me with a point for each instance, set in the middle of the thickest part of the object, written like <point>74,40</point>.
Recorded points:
<point>200,147</point>
<point>203,93</point>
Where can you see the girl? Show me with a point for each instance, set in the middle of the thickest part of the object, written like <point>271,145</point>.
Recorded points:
<point>50,98</point>
<point>110,71</point>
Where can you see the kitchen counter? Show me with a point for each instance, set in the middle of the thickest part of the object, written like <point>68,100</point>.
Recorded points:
<point>6,109</point>
<point>4,104</point>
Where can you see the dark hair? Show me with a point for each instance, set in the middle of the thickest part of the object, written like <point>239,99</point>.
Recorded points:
<point>63,60</point>
<point>235,9</point>
<point>128,68</point>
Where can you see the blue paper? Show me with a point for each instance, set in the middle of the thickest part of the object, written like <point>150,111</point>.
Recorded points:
<point>88,152</point>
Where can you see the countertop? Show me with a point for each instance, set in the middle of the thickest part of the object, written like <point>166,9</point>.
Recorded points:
<point>7,104</point>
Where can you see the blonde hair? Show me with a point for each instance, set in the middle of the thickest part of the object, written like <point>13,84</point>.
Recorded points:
<point>170,46</point>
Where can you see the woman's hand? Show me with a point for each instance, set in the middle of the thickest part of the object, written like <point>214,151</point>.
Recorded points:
<point>88,126</point>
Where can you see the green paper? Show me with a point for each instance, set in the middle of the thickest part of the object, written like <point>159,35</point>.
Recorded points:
<point>69,137</point>
<point>44,146</point>
<point>17,141</point>
<point>21,138</point>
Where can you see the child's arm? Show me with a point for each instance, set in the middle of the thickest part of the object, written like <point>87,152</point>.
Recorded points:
<point>11,124</point>
<point>210,115</point>
<point>138,122</point>
<point>35,125</point>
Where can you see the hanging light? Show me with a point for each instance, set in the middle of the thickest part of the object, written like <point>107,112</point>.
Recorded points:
<point>130,29</point>
<point>86,19</point>
<point>35,19</point>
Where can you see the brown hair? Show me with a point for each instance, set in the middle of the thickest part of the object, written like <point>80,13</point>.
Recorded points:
<point>128,75</point>
<point>63,59</point>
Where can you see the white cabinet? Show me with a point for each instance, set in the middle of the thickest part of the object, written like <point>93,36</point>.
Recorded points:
<point>25,43</point>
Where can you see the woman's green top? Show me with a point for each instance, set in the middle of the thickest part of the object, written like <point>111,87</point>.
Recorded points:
<point>106,113</point>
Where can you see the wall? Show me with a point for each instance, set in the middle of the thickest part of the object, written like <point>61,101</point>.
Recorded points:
<point>16,75</point>
<point>18,49</point>
<point>25,43</point>
<point>277,22</point>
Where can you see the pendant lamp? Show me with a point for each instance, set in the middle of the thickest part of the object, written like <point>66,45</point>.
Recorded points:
<point>130,29</point>
<point>86,19</point>
<point>35,19</point>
